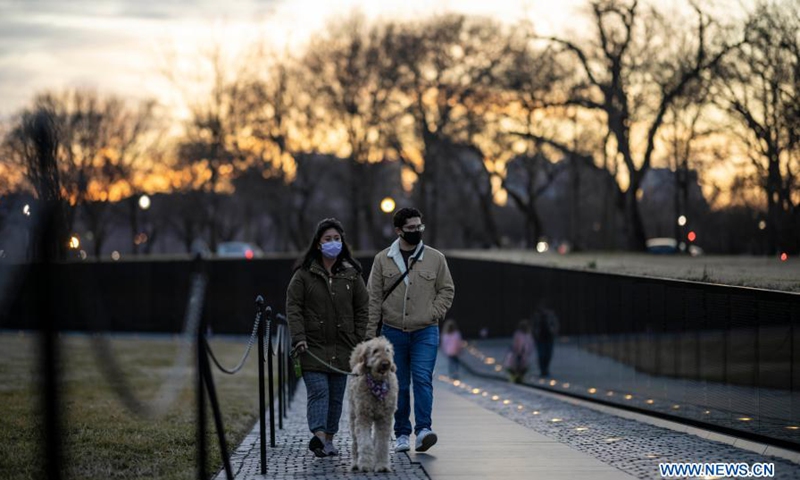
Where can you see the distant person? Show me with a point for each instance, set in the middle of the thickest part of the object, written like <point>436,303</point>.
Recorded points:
<point>545,330</point>
<point>517,359</point>
<point>452,343</point>
<point>410,291</point>
<point>327,306</point>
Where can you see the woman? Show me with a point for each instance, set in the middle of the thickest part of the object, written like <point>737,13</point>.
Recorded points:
<point>327,308</point>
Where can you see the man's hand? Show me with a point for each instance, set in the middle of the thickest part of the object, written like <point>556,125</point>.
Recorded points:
<point>301,347</point>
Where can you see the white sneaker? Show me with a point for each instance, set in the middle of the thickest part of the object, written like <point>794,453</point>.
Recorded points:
<point>403,444</point>
<point>425,440</point>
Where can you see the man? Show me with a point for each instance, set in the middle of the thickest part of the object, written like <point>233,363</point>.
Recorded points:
<point>410,314</point>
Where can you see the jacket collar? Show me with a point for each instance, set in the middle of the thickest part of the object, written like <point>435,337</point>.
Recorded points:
<point>394,254</point>
<point>319,269</point>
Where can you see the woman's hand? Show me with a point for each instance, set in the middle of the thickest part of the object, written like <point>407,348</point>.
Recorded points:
<point>301,347</point>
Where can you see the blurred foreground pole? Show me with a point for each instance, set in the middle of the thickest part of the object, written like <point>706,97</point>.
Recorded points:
<point>39,130</point>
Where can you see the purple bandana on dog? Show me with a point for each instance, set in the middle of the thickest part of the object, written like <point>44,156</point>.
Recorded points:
<point>379,389</point>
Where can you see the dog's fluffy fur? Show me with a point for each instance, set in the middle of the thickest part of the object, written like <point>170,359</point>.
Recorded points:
<point>371,419</point>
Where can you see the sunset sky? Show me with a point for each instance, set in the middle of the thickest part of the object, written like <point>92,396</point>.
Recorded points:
<point>115,45</point>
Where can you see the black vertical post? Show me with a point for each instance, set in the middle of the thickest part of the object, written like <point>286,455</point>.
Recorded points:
<point>271,382</point>
<point>202,474</point>
<point>265,315</point>
<point>212,397</point>
<point>281,362</point>
<point>49,367</point>
<point>287,347</point>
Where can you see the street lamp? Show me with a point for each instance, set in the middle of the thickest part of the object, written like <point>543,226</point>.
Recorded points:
<point>388,205</point>
<point>144,202</point>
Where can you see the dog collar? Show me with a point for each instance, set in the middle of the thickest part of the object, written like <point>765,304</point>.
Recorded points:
<point>378,389</point>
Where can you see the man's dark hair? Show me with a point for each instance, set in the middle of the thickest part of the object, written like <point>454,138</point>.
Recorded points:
<point>402,215</point>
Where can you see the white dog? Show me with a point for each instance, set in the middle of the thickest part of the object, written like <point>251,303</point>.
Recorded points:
<point>372,397</point>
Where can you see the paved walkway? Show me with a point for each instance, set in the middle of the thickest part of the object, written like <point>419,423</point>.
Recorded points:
<point>771,411</point>
<point>490,429</point>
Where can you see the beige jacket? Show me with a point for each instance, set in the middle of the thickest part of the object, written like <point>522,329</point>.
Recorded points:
<point>420,301</point>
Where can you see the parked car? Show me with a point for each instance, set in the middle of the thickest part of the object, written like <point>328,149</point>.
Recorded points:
<point>239,250</point>
<point>662,245</point>
<point>668,245</point>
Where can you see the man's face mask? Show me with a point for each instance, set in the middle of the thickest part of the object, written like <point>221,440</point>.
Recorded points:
<point>413,238</point>
<point>331,249</point>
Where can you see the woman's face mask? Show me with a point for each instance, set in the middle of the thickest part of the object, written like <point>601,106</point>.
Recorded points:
<point>331,249</point>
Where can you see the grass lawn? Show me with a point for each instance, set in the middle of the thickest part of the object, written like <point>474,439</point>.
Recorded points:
<point>101,438</point>
<point>747,271</point>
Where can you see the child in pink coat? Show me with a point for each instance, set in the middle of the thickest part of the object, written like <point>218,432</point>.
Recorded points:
<point>452,344</point>
<point>518,357</point>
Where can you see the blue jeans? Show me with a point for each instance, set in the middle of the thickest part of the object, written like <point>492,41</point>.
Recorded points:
<point>325,397</point>
<point>415,357</point>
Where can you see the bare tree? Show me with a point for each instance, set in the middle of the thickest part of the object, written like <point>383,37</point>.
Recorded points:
<point>34,145</point>
<point>760,87</point>
<point>638,66</point>
<point>352,77</point>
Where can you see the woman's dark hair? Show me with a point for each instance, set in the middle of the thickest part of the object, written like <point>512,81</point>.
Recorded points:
<point>313,253</point>
<point>402,215</point>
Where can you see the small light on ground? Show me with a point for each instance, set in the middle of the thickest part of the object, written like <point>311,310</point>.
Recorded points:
<point>784,257</point>
<point>115,255</point>
<point>476,391</point>
<point>495,397</point>
<point>628,397</point>
<point>581,429</point>
<point>744,419</point>
<point>556,420</point>
<point>489,361</point>
<point>592,391</point>
<point>506,402</point>
<point>650,401</point>
<point>682,220</point>
<point>535,412</point>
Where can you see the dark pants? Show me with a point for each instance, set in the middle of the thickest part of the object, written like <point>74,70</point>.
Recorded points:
<point>452,366</point>
<point>325,397</point>
<point>544,351</point>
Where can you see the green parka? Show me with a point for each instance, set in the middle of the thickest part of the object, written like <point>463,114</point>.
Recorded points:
<point>328,312</point>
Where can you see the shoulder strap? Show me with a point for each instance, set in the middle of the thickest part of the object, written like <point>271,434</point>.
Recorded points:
<point>410,266</point>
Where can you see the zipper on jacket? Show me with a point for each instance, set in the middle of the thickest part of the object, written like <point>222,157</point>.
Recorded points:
<point>405,298</point>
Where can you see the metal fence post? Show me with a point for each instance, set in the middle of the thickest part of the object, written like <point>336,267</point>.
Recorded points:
<point>270,386</point>
<point>261,401</point>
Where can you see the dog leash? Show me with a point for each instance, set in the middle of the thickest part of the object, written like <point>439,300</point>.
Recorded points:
<point>323,362</point>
